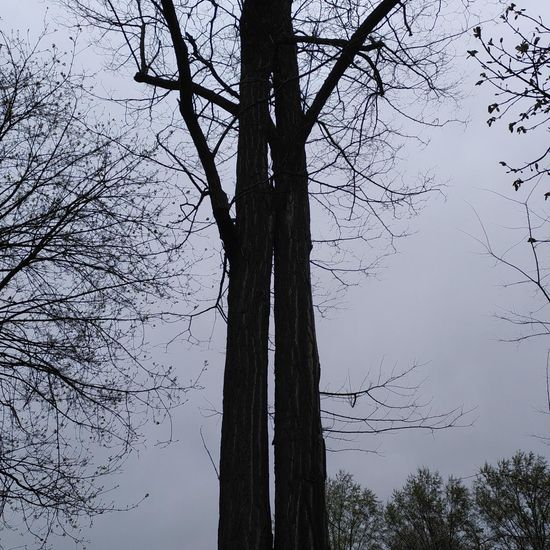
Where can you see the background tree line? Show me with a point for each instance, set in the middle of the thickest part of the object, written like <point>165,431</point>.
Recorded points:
<point>506,507</point>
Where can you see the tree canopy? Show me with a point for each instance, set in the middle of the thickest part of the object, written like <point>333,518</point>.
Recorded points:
<point>506,507</point>
<point>85,247</point>
<point>354,515</point>
<point>428,514</point>
<point>513,499</point>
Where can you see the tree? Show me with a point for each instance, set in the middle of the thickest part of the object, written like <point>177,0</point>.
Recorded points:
<point>294,94</point>
<point>520,73</point>
<point>513,499</point>
<point>428,515</point>
<point>84,252</point>
<point>518,67</point>
<point>355,518</point>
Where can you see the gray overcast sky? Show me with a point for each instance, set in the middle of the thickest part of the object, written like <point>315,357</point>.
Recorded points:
<point>434,303</point>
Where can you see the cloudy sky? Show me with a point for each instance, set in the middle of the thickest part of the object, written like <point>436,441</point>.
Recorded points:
<point>436,303</point>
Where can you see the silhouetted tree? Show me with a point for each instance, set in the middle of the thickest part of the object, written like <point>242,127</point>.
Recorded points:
<point>427,514</point>
<point>355,518</point>
<point>303,98</point>
<point>513,500</point>
<point>84,251</point>
<point>517,65</point>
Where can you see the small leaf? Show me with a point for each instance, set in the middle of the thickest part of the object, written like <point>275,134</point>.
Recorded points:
<point>523,47</point>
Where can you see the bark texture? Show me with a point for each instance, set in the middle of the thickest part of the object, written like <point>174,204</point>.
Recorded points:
<point>245,518</point>
<point>300,509</point>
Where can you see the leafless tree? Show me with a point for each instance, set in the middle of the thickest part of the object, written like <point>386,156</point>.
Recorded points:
<point>308,100</point>
<point>525,256</point>
<point>84,252</point>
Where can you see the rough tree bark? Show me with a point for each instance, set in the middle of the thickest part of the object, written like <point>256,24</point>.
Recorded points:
<point>245,522</point>
<point>300,510</point>
<point>300,468</point>
<point>245,519</point>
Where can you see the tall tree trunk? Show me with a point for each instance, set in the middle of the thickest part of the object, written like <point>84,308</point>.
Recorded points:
<point>245,519</point>
<point>300,509</point>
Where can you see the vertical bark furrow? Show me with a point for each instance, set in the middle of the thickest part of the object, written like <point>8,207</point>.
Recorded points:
<point>300,509</point>
<point>300,520</point>
<point>245,518</point>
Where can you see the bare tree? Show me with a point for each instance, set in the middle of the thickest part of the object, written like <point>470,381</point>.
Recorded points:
<point>85,249</point>
<point>306,99</point>
<point>382,403</point>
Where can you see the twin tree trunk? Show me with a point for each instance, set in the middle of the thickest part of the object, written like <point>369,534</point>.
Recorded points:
<point>273,221</point>
<point>271,230</point>
<point>271,233</point>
